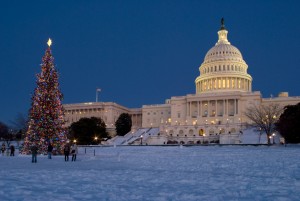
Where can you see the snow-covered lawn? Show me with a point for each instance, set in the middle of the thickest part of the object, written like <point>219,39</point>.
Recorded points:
<point>157,173</point>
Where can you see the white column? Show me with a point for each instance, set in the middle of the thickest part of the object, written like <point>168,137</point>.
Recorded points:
<point>197,108</point>
<point>227,112</point>
<point>200,109</point>
<point>208,108</point>
<point>187,108</point>
<point>199,90</point>
<point>234,110</point>
<point>216,108</point>
<point>248,85</point>
<point>223,107</point>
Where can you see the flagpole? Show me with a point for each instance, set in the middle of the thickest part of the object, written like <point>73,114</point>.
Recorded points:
<point>97,93</point>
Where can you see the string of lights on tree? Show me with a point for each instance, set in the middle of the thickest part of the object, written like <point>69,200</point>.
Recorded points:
<point>46,115</point>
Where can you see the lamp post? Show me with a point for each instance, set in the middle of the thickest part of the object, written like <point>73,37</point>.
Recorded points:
<point>141,139</point>
<point>273,135</point>
<point>96,139</point>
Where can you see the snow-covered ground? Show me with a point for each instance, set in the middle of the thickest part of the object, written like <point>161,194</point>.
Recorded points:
<point>157,173</point>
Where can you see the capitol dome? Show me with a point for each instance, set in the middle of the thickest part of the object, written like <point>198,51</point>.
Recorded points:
<point>223,68</point>
<point>223,52</point>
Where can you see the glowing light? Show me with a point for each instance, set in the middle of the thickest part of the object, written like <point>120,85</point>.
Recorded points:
<point>49,42</point>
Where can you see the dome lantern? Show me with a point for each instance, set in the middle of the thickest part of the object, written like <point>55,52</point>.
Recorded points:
<point>222,34</point>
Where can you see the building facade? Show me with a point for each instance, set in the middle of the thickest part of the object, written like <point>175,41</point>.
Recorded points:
<point>223,90</point>
<point>109,112</point>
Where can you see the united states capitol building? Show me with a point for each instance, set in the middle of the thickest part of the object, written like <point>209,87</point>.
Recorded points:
<point>223,91</point>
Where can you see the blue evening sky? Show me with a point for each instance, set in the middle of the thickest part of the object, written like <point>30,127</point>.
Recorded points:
<point>141,52</point>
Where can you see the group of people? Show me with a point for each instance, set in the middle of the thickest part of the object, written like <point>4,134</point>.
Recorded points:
<point>67,150</point>
<point>73,150</point>
<point>12,150</point>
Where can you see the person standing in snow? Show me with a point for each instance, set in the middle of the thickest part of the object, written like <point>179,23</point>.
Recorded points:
<point>50,148</point>
<point>34,151</point>
<point>67,151</point>
<point>3,149</point>
<point>74,151</point>
<point>12,150</point>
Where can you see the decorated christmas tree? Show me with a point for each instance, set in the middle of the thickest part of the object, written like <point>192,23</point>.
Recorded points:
<point>46,115</point>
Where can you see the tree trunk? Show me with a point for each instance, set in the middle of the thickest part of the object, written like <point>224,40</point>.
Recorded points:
<point>268,137</point>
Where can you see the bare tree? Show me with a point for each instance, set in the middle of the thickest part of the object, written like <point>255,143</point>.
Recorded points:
<point>18,127</point>
<point>264,117</point>
<point>6,134</point>
<point>19,124</point>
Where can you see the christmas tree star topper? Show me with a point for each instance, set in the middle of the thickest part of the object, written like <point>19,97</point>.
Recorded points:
<point>49,42</point>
